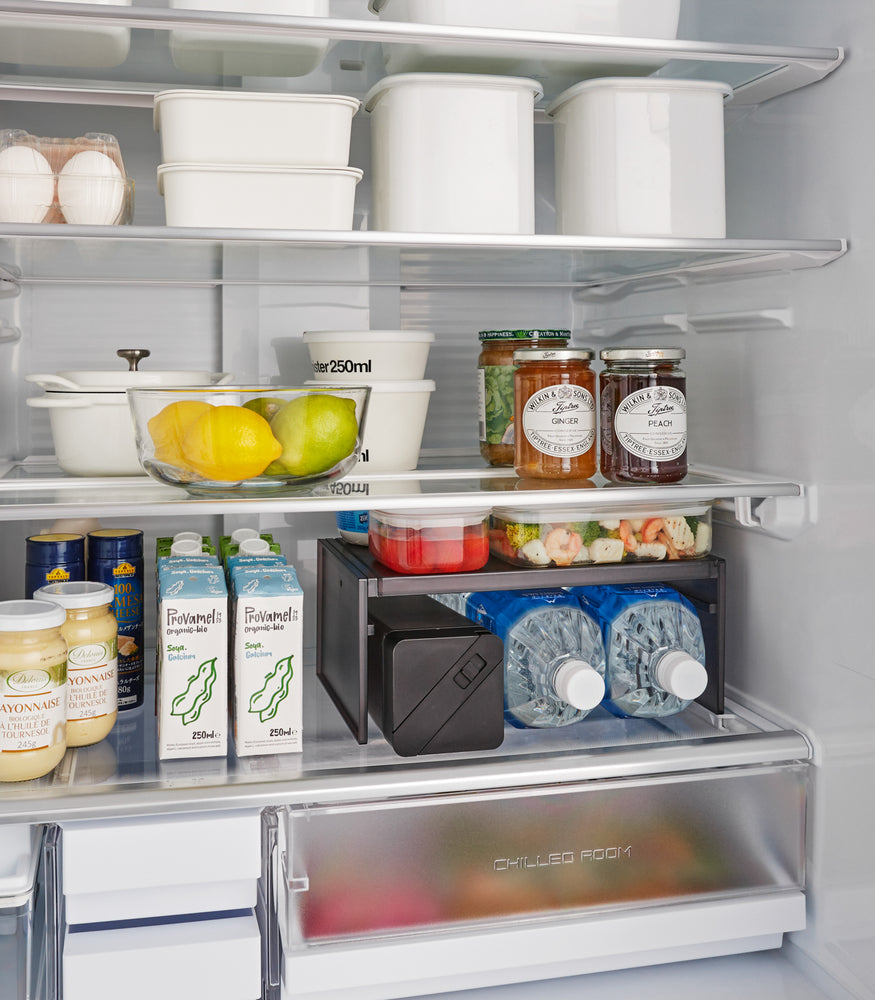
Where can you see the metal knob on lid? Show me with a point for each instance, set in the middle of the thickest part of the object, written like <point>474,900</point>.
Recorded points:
<point>133,356</point>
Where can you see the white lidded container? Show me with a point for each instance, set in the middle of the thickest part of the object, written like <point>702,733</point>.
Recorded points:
<point>242,53</point>
<point>396,421</point>
<point>90,418</point>
<point>640,157</point>
<point>240,196</point>
<point>273,129</point>
<point>350,355</point>
<point>625,18</point>
<point>28,41</point>
<point>453,153</point>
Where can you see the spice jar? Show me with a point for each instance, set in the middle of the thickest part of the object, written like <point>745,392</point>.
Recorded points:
<point>495,369</point>
<point>555,413</point>
<point>33,689</point>
<point>643,415</point>
<point>91,633</point>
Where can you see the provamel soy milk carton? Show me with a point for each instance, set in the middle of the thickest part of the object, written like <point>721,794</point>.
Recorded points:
<point>192,661</point>
<point>267,701</point>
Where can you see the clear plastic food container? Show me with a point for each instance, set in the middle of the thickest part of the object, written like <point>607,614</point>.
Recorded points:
<point>545,538</point>
<point>430,541</point>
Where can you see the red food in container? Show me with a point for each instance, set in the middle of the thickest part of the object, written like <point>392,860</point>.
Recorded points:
<point>430,541</point>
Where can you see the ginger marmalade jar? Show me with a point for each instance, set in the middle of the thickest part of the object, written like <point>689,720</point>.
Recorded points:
<point>555,413</point>
<point>33,689</point>
<point>495,368</point>
<point>91,633</point>
<point>643,407</point>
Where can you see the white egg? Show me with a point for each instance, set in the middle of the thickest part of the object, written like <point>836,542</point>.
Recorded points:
<point>27,184</point>
<point>91,189</point>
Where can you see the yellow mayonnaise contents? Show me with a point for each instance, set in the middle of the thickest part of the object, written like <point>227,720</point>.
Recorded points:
<point>33,689</point>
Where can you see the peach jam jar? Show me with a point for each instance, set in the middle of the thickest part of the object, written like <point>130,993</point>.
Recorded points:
<point>554,413</point>
<point>33,689</point>
<point>495,368</point>
<point>643,404</point>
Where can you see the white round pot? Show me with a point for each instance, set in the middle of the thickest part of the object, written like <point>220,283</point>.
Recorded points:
<point>351,355</point>
<point>273,129</point>
<point>453,153</point>
<point>394,425</point>
<point>90,419</point>
<point>640,157</point>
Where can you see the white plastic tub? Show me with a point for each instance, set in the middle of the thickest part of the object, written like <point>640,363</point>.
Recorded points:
<point>30,42</point>
<point>640,157</point>
<point>205,195</point>
<point>214,126</point>
<point>394,426</point>
<point>626,18</point>
<point>244,53</point>
<point>350,355</point>
<point>453,153</point>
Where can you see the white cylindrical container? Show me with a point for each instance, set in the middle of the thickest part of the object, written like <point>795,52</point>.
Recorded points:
<point>351,355</point>
<point>204,195</point>
<point>273,129</point>
<point>394,426</point>
<point>640,157</point>
<point>453,153</point>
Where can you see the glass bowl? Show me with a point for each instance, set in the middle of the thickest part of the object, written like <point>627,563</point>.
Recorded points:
<point>248,440</point>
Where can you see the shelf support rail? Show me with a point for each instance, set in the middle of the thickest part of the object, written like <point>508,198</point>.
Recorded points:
<point>781,517</point>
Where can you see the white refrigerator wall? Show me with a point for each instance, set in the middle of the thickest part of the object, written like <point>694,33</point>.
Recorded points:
<point>780,379</point>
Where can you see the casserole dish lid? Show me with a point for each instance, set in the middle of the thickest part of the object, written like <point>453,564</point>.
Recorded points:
<point>118,380</point>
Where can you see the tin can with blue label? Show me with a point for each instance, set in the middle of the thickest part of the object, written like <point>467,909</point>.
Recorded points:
<point>115,557</point>
<point>53,558</point>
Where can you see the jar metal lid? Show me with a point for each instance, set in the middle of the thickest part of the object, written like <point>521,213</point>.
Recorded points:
<point>512,335</point>
<point>76,594</point>
<point>643,354</point>
<point>30,616</point>
<point>553,354</point>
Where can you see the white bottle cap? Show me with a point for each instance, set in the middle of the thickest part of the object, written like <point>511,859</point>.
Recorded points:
<point>680,674</point>
<point>188,547</point>
<point>576,683</point>
<point>239,535</point>
<point>253,547</point>
<point>187,536</point>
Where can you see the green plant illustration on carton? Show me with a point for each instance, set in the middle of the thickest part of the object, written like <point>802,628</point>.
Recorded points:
<point>265,702</point>
<point>198,692</point>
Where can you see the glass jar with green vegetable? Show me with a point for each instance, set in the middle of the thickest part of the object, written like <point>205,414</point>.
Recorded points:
<point>495,370</point>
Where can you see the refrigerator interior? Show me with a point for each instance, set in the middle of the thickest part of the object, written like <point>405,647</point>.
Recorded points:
<point>779,386</point>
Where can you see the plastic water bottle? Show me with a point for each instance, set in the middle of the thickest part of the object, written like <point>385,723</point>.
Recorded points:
<point>654,647</point>
<point>554,660</point>
<point>458,602</point>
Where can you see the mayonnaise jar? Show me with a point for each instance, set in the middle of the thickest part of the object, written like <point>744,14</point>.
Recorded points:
<point>33,689</point>
<point>91,633</point>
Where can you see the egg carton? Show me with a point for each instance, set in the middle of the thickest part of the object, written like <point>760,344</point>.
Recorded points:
<point>79,181</point>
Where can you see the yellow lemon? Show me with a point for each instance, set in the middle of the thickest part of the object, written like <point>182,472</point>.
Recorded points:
<point>230,443</point>
<point>316,432</point>
<point>168,428</point>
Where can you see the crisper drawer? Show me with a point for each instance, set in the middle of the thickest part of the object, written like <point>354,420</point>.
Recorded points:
<point>525,854</point>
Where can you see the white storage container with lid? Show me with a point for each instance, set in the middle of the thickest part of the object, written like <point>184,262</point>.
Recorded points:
<point>38,42</point>
<point>430,540</point>
<point>453,153</point>
<point>87,407</point>
<point>640,158</point>
<point>244,53</point>
<point>379,354</point>
<point>242,196</point>
<point>263,129</point>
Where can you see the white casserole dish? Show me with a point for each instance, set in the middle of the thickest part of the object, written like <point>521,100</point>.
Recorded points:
<point>640,157</point>
<point>244,53</point>
<point>238,196</point>
<point>453,153</point>
<point>90,419</point>
<point>350,355</point>
<point>28,42</point>
<point>273,129</point>
<point>624,18</point>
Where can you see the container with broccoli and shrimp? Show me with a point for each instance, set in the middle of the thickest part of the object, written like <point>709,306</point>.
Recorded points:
<point>546,537</point>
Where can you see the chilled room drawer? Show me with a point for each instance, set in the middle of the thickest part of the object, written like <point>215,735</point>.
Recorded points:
<point>527,854</point>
